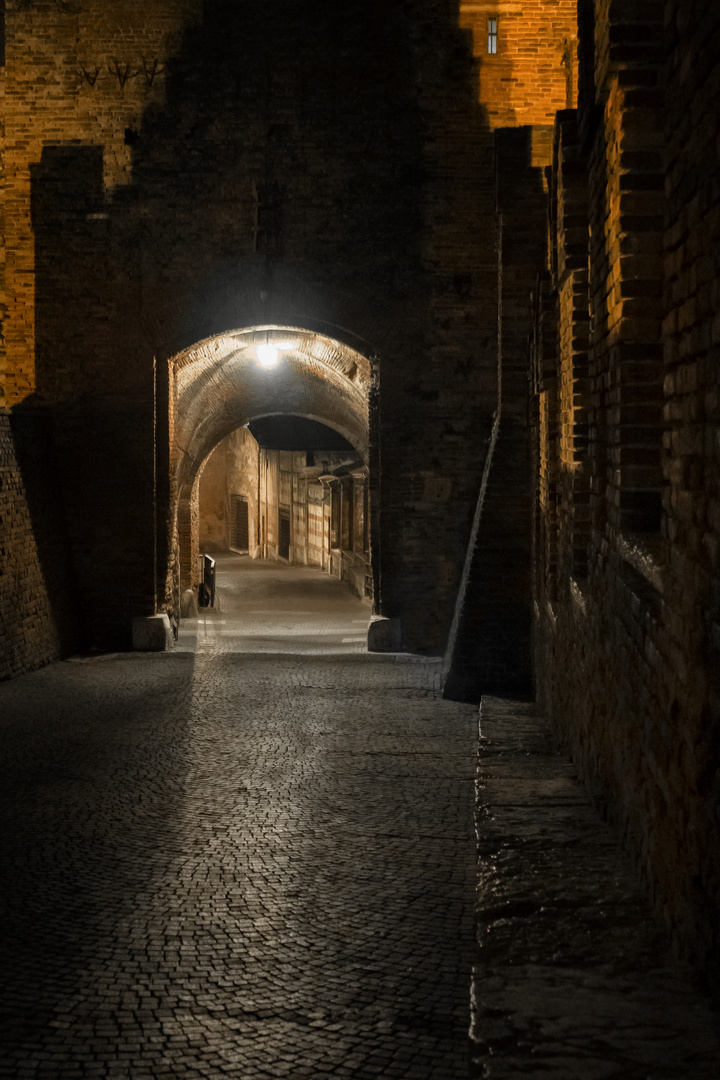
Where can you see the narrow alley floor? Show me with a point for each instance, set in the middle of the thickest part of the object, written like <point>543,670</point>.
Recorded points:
<point>266,606</point>
<point>246,864</point>
<point>255,856</point>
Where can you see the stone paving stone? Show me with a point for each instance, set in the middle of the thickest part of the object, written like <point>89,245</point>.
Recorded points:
<point>574,980</point>
<point>257,865</point>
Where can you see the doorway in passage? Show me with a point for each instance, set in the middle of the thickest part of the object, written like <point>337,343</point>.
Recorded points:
<point>240,531</point>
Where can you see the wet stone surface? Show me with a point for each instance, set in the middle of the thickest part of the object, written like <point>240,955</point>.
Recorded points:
<point>251,866</point>
<point>574,980</point>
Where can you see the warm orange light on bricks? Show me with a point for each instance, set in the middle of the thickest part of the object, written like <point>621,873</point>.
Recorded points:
<point>525,58</point>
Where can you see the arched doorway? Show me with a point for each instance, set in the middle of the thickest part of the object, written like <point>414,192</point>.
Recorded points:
<point>227,383</point>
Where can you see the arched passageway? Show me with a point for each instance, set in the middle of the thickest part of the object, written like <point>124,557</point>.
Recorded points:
<point>272,606</point>
<point>218,390</point>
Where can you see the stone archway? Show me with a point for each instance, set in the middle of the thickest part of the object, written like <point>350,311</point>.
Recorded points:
<point>220,385</point>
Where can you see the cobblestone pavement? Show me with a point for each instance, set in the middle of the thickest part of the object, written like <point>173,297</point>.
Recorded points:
<point>261,863</point>
<point>574,979</point>
<point>246,865</point>
<point>266,606</point>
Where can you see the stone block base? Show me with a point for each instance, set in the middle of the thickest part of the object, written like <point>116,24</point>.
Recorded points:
<point>152,633</point>
<point>384,635</point>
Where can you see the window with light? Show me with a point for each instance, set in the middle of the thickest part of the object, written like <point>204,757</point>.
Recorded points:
<point>492,34</point>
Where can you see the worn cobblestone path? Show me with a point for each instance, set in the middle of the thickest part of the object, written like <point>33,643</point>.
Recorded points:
<point>574,979</point>
<point>254,864</point>
<point>254,857</point>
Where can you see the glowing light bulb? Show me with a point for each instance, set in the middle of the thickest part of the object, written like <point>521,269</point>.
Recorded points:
<point>267,355</point>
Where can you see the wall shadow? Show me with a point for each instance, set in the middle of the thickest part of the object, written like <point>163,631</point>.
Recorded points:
<point>343,176</point>
<point>43,571</point>
<point>491,651</point>
<point>94,381</point>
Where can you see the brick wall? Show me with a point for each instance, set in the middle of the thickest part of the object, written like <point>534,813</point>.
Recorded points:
<point>176,170</point>
<point>76,87</point>
<point>533,73</point>
<point>37,611</point>
<point>180,170</point>
<point>214,502</point>
<point>489,647</point>
<point>626,643</point>
<point>76,75</point>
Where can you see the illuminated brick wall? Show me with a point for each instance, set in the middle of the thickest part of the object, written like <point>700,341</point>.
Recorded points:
<point>627,623</point>
<point>82,75</point>
<point>533,72</point>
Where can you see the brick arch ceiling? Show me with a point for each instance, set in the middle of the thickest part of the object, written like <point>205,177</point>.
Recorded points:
<point>220,385</point>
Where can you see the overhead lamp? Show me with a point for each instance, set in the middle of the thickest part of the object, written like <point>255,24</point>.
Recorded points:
<point>268,354</point>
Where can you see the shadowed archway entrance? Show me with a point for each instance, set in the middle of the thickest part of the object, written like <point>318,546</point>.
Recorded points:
<point>223,384</point>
